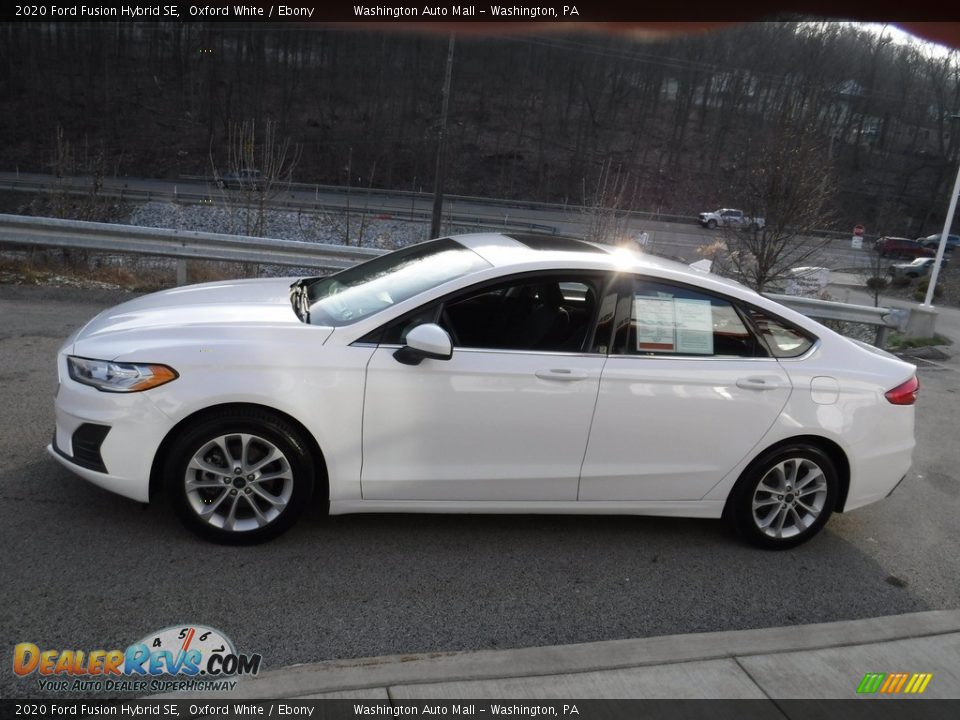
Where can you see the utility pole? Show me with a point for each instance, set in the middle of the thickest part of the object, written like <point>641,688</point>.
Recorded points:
<point>441,147</point>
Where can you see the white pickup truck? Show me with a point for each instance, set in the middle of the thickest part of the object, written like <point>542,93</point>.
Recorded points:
<point>729,217</point>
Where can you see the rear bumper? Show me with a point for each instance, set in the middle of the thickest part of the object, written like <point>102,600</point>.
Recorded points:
<point>875,476</point>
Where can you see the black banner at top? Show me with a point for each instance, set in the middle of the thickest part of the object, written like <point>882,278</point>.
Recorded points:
<point>655,17</point>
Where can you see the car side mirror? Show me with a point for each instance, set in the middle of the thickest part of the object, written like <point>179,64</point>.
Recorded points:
<point>425,341</point>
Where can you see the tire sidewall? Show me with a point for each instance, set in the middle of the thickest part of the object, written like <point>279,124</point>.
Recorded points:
<point>274,430</point>
<point>740,507</point>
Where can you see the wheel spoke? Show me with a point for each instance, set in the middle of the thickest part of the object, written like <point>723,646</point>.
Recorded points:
<point>261,518</point>
<point>780,521</point>
<point>271,457</point>
<point>198,463</point>
<point>819,487</point>
<point>245,444</point>
<point>272,499</point>
<point>813,474</point>
<point>798,522</point>
<point>199,484</point>
<point>232,515</point>
<point>765,503</point>
<point>285,473</point>
<point>791,477</point>
<point>209,510</point>
<point>766,522</point>
<point>763,487</point>
<point>809,508</point>
<point>221,442</point>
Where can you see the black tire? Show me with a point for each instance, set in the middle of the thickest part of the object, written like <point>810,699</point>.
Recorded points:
<point>747,522</point>
<point>247,434</point>
<point>711,224</point>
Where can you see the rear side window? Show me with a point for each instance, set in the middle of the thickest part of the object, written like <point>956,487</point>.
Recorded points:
<point>780,338</point>
<point>660,318</point>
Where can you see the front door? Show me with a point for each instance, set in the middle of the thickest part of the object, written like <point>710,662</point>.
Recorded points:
<point>508,416</point>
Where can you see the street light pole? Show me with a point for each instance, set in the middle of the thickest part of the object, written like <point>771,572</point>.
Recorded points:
<point>928,302</point>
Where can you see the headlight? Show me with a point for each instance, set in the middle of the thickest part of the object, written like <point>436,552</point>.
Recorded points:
<point>117,376</point>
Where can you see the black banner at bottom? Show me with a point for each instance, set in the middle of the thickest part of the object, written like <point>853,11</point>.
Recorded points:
<point>857,709</point>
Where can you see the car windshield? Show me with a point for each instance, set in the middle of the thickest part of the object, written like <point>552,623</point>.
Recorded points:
<point>361,291</point>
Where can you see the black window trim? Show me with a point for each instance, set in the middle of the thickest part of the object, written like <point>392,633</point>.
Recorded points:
<point>621,283</point>
<point>739,306</point>
<point>607,278</point>
<point>814,339</point>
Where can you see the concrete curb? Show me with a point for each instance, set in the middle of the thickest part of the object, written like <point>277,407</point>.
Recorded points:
<point>419,669</point>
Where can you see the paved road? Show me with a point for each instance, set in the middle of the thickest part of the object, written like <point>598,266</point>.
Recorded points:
<point>84,569</point>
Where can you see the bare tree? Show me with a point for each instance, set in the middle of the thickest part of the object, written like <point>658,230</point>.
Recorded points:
<point>788,182</point>
<point>259,166</point>
<point>607,204</point>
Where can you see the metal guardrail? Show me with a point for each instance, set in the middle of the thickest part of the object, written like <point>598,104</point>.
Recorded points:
<point>885,319</point>
<point>52,232</point>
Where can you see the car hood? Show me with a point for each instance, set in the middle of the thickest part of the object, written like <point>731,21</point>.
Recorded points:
<point>233,303</point>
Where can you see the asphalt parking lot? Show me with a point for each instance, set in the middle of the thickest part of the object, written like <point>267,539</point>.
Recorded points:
<point>82,568</point>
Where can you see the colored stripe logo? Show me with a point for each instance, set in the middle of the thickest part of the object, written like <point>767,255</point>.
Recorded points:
<point>894,683</point>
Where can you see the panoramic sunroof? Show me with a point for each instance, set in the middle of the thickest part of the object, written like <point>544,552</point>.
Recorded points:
<point>552,242</point>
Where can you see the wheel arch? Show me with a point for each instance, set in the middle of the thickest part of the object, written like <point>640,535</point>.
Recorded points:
<point>321,479</point>
<point>826,445</point>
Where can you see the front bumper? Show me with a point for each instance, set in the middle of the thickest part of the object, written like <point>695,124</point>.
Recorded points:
<point>126,452</point>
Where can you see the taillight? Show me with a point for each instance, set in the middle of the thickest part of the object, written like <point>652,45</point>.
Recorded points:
<point>905,394</point>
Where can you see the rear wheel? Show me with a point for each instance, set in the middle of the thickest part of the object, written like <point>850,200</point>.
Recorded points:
<point>784,498</point>
<point>239,477</point>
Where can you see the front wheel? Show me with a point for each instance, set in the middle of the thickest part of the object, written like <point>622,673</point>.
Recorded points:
<point>239,477</point>
<point>711,224</point>
<point>784,498</point>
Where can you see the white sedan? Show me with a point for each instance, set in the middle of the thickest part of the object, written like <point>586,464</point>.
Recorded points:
<point>483,373</point>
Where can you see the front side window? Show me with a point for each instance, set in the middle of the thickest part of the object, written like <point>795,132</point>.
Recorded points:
<point>361,291</point>
<point>659,318</point>
<point>540,313</point>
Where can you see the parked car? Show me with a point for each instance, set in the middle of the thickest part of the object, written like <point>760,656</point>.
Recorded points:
<point>933,242</point>
<point>902,248</point>
<point>921,267</point>
<point>246,179</point>
<point>729,217</point>
<point>488,374</point>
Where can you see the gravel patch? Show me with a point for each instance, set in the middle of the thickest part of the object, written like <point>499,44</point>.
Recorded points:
<point>333,228</point>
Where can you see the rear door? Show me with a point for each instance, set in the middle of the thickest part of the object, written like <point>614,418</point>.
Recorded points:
<point>687,392</point>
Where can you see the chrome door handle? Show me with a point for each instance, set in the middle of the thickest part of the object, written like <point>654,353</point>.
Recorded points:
<point>755,383</point>
<point>561,374</point>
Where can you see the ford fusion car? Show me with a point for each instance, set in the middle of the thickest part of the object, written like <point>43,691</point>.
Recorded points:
<point>483,373</point>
